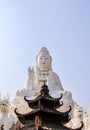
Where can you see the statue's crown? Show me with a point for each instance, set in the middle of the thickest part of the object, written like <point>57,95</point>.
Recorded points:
<point>44,50</point>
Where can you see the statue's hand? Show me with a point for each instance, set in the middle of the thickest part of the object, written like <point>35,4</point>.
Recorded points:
<point>30,72</point>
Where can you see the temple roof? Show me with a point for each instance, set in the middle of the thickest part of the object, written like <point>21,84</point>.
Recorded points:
<point>44,96</point>
<point>44,107</point>
<point>49,127</point>
<point>40,111</point>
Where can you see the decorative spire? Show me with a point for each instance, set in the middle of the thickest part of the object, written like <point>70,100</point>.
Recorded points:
<point>44,88</point>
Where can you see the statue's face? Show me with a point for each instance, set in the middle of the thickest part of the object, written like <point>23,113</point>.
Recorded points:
<point>44,61</point>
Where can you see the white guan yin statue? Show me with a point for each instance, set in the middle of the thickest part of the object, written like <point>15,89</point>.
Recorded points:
<point>43,72</point>
<point>36,77</point>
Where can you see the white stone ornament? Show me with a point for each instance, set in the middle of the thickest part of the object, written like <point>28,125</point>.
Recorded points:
<point>6,116</point>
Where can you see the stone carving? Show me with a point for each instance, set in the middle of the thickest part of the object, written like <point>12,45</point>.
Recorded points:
<point>76,116</point>
<point>6,117</point>
<point>86,120</point>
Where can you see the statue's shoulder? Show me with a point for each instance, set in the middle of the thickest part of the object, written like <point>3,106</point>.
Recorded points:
<point>53,75</point>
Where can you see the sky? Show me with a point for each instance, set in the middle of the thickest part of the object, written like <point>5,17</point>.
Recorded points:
<point>62,26</point>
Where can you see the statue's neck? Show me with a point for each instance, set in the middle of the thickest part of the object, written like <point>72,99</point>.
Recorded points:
<point>42,74</point>
<point>43,70</point>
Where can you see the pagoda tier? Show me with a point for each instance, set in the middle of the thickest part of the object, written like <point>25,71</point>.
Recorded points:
<point>62,117</point>
<point>49,127</point>
<point>44,114</point>
<point>43,99</point>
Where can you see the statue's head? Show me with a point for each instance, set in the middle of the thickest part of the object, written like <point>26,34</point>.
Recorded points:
<point>43,59</point>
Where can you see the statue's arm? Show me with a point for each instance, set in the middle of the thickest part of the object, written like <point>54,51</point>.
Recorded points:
<point>30,78</point>
<point>30,72</point>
